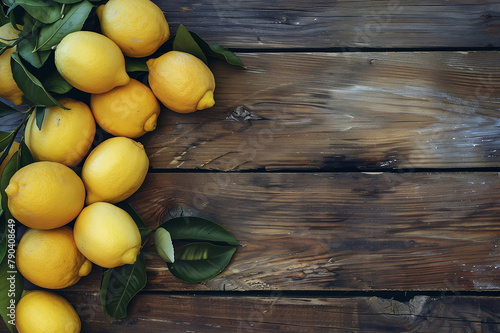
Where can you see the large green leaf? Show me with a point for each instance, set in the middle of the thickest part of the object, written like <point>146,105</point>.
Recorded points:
<point>30,85</point>
<point>72,21</point>
<point>8,172</point>
<point>45,11</point>
<point>120,284</point>
<point>197,262</point>
<point>55,83</point>
<point>3,16</point>
<point>25,156</point>
<point>6,109</point>
<point>197,228</point>
<point>184,42</point>
<point>11,288</point>
<point>26,50</point>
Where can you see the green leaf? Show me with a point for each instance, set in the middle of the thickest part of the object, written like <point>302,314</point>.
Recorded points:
<point>185,42</point>
<point>218,51</point>
<point>67,1</point>
<point>197,262</point>
<point>10,168</point>
<point>164,245</point>
<point>119,286</point>
<point>3,16</point>
<point>26,50</point>
<point>72,21</point>
<point>39,114</point>
<point>136,64</point>
<point>24,157</point>
<point>197,228</point>
<point>145,232</point>
<point>30,85</point>
<point>45,11</point>
<point>11,289</point>
<point>56,83</point>
<point>6,109</point>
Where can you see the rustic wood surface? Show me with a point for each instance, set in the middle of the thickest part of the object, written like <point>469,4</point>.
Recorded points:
<point>356,159</point>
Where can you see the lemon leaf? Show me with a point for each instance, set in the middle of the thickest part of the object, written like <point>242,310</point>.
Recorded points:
<point>197,262</point>
<point>218,51</point>
<point>6,109</point>
<point>198,229</point>
<point>56,83</point>
<point>11,289</point>
<point>10,168</point>
<point>72,21</point>
<point>35,58</point>
<point>3,16</point>
<point>119,285</point>
<point>144,231</point>
<point>185,42</point>
<point>31,87</point>
<point>136,64</point>
<point>46,11</point>
<point>24,156</point>
<point>164,245</point>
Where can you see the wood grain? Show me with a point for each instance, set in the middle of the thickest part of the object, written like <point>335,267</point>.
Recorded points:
<point>339,24</point>
<point>324,111</point>
<point>288,313</point>
<point>335,231</point>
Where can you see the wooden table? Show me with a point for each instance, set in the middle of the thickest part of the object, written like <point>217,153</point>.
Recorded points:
<point>357,160</point>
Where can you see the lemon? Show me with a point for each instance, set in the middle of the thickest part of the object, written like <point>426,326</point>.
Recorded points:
<point>130,110</point>
<point>182,82</point>
<point>45,195</point>
<point>50,258</point>
<point>107,235</point>
<point>66,135</point>
<point>138,27</point>
<point>41,311</point>
<point>12,150</point>
<point>90,62</point>
<point>8,87</point>
<point>114,170</point>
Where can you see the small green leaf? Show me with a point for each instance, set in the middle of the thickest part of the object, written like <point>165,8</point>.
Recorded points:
<point>145,232</point>
<point>39,114</point>
<point>45,11</point>
<point>136,65</point>
<point>164,245</point>
<point>218,51</point>
<point>11,289</point>
<point>24,157</point>
<point>56,83</point>
<point>197,228</point>
<point>72,21</point>
<point>30,85</point>
<point>197,262</point>
<point>26,50</point>
<point>6,140</point>
<point>184,42</point>
<point>119,285</point>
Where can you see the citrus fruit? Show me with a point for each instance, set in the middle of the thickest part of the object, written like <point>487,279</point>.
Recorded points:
<point>90,62</point>
<point>66,135</point>
<point>138,27</point>
<point>50,258</point>
<point>8,87</point>
<point>107,235</point>
<point>45,195</point>
<point>130,110</point>
<point>12,150</point>
<point>182,82</point>
<point>114,170</point>
<point>44,311</point>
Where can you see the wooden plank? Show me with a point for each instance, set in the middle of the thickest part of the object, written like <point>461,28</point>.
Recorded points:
<point>322,111</point>
<point>288,313</point>
<point>341,24</point>
<point>335,231</point>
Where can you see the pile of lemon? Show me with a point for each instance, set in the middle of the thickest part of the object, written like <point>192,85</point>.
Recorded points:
<point>47,196</point>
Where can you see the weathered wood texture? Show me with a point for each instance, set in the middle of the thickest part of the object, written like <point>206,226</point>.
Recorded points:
<point>321,111</point>
<point>340,24</point>
<point>335,231</point>
<point>279,312</point>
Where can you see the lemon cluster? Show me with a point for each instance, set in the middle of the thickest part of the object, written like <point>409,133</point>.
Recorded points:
<point>73,220</point>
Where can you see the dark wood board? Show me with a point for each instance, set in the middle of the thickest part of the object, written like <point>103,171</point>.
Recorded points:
<point>281,312</point>
<point>322,111</point>
<point>339,24</point>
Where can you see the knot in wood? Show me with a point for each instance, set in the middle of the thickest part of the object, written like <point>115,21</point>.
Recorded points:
<point>242,113</point>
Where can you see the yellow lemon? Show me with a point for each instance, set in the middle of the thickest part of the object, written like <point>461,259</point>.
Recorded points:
<point>114,170</point>
<point>66,135</point>
<point>12,150</point>
<point>44,311</point>
<point>182,82</point>
<point>107,235</point>
<point>138,27</point>
<point>50,258</point>
<point>8,87</point>
<point>90,62</point>
<point>130,110</point>
<point>45,195</point>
